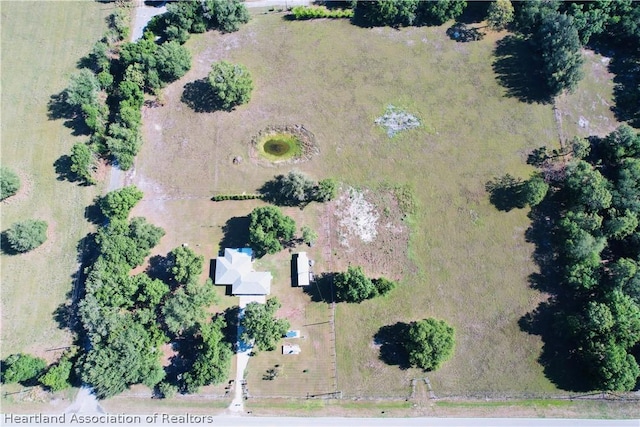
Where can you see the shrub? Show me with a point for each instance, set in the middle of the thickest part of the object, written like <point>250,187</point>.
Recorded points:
<point>57,377</point>
<point>27,235</point>
<point>9,183</point>
<point>167,390</point>
<point>19,368</point>
<point>384,285</point>
<point>118,203</point>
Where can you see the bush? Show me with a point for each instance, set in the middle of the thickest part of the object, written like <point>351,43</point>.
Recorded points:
<point>9,183</point>
<point>167,390</point>
<point>326,190</point>
<point>384,285</point>
<point>83,162</point>
<point>20,368</point>
<point>57,377</point>
<point>27,235</point>
<point>308,235</point>
<point>223,197</point>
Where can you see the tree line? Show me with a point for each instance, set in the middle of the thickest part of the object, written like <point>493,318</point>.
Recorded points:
<point>588,240</point>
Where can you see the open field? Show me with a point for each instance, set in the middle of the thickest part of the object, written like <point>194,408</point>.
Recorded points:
<point>471,261</point>
<point>41,44</point>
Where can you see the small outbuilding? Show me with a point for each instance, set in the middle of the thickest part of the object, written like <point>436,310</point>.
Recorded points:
<point>302,269</point>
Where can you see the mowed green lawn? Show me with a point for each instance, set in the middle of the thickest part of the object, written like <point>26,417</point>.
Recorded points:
<point>41,44</point>
<point>335,79</point>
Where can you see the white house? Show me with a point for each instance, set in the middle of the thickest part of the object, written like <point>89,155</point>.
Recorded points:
<point>235,268</point>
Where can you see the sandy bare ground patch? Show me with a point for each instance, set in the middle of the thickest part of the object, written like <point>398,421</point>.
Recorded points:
<point>369,231</point>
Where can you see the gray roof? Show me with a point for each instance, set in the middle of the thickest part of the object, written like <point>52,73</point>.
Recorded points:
<point>235,269</point>
<point>302,269</point>
<point>231,266</point>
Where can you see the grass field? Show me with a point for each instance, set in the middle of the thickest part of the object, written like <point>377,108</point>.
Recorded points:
<point>472,261</point>
<point>41,44</point>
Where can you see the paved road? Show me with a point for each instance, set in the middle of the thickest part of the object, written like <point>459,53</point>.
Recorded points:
<point>418,422</point>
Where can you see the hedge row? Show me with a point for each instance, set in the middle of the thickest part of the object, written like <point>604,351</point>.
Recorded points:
<point>223,197</point>
<point>315,12</point>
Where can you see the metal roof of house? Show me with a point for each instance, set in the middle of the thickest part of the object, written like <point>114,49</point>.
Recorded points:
<point>235,269</point>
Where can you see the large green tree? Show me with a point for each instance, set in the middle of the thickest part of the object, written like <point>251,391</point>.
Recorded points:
<point>213,360</point>
<point>231,84</point>
<point>261,326</point>
<point>429,343</point>
<point>185,264</point>
<point>269,228</point>
<point>26,235</point>
<point>118,203</point>
<point>500,14</point>
<point>560,46</point>
<point>353,285</point>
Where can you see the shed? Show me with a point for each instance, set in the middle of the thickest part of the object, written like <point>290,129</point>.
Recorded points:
<point>302,269</point>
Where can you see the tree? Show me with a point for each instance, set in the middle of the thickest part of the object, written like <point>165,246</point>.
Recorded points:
<point>27,235</point>
<point>149,291</point>
<point>534,190</point>
<point>295,188</point>
<point>186,307</point>
<point>560,46</point>
<point>167,390</point>
<point>9,182</point>
<point>83,162</point>
<point>429,342</point>
<point>261,326</point>
<point>268,229</point>
<point>500,14</point>
<point>231,83</point>
<point>308,235</point>
<point>173,61</point>
<point>353,285</point>
<point>118,203</point>
<point>83,89</point>
<point>385,12</point>
<point>622,143</point>
<point>21,368</point>
<point>227,15</point>
<point>587,187</point>
<point>213,360</point>
<point>57,377</point>
<point>326,190</point>
<point>186,265</point>
<point>439,12</point>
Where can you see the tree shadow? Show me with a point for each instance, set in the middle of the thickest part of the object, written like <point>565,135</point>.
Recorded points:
<point>93,213</point>
<point>505,192</point>
<point>516,67</point>
<point>321,288</point>
<point>199,96</point>
<point>62,166</point>
<point>235,233</point>
<point>160,268</point>
<point>391,339</point>
<point>461,33</point>
<point>231,330</point>
<point>5,246</point>
<point>626,91</point>
<point>560,356</point>
<point>58,108</point>
<point>474,13</point>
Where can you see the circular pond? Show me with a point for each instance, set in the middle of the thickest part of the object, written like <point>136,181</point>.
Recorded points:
<point>283,144</point>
